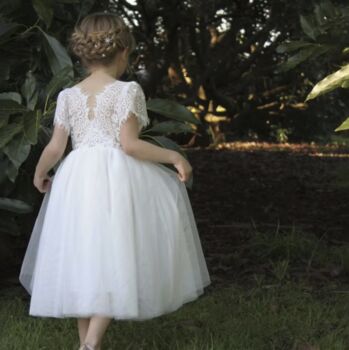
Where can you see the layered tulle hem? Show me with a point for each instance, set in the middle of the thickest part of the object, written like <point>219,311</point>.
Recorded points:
<point>125,317</point>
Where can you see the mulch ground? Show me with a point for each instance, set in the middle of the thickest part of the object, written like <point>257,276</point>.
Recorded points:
<point>237,186</point>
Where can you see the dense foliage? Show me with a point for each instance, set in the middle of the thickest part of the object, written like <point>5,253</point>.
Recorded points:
<point>324,44</point>
<point>220,58</point>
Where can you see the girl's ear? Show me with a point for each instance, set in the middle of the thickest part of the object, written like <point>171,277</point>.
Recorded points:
<point>125,53</point>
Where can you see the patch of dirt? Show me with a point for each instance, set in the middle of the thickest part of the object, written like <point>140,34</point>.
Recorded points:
<point>238,185</point>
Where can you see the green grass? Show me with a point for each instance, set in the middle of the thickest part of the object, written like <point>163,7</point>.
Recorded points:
<point>290,292</point>
<point>286,316</point>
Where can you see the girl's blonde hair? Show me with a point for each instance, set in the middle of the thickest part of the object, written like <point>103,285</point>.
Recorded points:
<point>99,37</point>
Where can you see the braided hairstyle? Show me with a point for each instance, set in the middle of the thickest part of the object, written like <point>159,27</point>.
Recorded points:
<point>99,37</point>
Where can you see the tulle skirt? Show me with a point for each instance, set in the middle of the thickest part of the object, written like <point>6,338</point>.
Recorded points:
<point>115,236</point>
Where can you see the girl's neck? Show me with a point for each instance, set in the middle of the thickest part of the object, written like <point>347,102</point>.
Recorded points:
<point>104,73</point>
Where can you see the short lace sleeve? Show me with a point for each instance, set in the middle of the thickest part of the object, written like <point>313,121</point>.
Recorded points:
<point>61,116</point>
<point>135,103</point>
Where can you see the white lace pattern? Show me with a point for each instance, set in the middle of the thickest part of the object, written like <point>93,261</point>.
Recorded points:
<point>97,119</point>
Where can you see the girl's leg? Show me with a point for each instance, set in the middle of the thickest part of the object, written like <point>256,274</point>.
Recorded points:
<point>83,324</point>
<point>97,327</point>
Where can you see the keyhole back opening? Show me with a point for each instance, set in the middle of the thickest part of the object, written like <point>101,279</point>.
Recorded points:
<point>91,106</point>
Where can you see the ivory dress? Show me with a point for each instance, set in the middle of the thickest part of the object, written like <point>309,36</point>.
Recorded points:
<point>115,235</point>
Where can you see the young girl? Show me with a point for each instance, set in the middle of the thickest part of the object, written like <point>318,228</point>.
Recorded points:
<point>115,237</point>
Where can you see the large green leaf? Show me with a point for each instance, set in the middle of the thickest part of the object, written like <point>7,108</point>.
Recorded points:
<point>171,109</point>
<point>345,84</point>
<point>171,127</point>
<point>8,107</point>
<point>309,27</point>
<point>44,10</point>
<point>293,46</point>
<point>302,55</point>
<point>329,83</point>
<point>8,132</point>
<point>57,55</point>
<point>17,150</point>
<point>11,95</point>
<point>4,110</point>
<point>59,80</point>
<point>12,172</point>
<point>29,90</point>
<point>15,205</point>
<point>343,126</point>
<point>165,142</point>
<point>31,125</point>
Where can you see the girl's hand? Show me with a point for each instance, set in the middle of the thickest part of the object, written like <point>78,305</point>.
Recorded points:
<point>184,168</point>
<point>42,183</point>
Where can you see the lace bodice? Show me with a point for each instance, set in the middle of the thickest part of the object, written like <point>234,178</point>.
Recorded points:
<point>96,119</point>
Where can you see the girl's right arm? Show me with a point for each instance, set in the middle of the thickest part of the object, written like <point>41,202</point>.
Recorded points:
<point>144,150</point>
<point>50,155</point>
